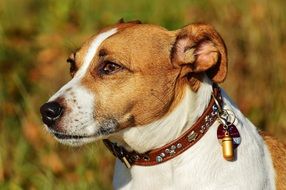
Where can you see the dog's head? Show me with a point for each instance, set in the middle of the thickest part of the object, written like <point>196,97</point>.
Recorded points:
<point>129,75</point>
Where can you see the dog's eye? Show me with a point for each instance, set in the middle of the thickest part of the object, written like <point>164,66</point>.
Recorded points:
<point>72,66</point>
<point>109,68</point>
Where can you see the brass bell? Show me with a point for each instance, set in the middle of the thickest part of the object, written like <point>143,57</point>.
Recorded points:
<point>227,147</point>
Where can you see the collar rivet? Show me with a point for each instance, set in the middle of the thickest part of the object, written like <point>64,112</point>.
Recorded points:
<point>159,159</point>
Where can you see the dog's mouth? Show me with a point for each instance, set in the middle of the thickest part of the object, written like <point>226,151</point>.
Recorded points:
<point>86,135</point>
<point>65,136</point>
<point>100,132</point>
<point>74,140</point>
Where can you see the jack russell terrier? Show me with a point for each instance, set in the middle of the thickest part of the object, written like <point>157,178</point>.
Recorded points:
<point>152,96</point>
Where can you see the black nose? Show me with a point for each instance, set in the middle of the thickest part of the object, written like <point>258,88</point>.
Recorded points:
<point>51,111</point>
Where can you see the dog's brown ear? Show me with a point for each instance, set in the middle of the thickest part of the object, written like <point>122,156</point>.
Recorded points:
<point>199,48</point>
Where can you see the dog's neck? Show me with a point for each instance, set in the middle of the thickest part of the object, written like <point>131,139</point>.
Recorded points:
<point>157,134</point>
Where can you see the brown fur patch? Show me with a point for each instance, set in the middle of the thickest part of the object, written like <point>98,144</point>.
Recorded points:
<point>147,87</point>
<point>278,153</point>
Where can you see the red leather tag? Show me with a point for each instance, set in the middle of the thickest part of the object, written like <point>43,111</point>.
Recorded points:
<point>233,132</point>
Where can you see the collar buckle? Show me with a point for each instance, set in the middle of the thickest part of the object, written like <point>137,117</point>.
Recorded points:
<point>118,152</point>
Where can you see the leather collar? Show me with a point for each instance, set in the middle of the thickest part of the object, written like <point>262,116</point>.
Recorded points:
<point>175,147</point>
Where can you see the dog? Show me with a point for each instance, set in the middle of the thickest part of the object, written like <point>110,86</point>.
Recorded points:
<point>153,96</point>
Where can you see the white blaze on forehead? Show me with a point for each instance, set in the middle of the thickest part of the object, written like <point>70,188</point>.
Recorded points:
<point>86,62</point>
<point>92,50</point>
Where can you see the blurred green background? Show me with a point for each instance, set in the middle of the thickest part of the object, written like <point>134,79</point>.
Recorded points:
<point>37,36</point>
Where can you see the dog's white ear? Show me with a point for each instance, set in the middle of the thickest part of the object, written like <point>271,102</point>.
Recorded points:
<point>199,48</point>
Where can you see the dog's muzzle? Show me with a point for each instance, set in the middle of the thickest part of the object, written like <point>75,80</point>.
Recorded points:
<point>51,112</point>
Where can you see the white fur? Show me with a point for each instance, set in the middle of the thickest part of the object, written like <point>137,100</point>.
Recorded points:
<point>202,166</point>
<point>78,118</point>
<point>79,121</point>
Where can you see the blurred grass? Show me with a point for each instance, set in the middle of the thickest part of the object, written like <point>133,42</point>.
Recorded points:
<point>37,36</point>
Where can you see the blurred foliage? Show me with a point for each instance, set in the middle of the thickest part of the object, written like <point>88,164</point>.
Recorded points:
<point>37,36</point>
